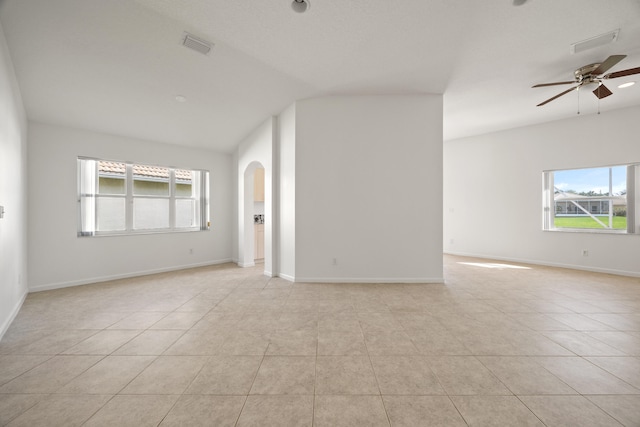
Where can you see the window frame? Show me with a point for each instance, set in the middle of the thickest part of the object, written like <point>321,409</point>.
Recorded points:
<point>88,200</point>
<point>549,206</point>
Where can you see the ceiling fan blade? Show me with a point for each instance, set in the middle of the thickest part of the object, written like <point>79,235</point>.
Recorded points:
<point>553,84</point>
<point>557,96</point>
<point>608,63</point>
<point>602,91</point>
<point>622,73</point>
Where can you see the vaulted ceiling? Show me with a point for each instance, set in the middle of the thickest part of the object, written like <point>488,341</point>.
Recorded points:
<point>117,66</point>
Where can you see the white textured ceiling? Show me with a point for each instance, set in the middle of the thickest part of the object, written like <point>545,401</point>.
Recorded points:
<point>116,66</point>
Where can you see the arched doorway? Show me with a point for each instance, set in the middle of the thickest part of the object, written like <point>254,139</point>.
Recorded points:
<point>254,216</point>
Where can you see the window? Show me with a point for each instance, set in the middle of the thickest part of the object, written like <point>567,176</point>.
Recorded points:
<point>126,198</point>
<point>601,199</point>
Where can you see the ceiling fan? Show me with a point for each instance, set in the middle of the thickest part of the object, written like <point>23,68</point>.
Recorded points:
<point>592,74</point>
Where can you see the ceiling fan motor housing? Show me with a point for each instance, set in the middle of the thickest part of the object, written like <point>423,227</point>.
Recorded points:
<point>584,74</point>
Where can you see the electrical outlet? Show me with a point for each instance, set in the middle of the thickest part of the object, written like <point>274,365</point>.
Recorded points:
<point>585,252</point>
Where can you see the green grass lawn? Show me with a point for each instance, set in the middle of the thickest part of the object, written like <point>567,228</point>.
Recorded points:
<point>619,222</point>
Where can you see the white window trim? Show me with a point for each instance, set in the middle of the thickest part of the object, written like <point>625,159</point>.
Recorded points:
<point>87,219</point>
<point>633,198</point>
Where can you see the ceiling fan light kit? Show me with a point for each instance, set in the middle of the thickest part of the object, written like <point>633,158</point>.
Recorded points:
<point>593,74</point>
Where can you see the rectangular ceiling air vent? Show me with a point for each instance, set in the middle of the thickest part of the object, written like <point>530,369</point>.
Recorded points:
<point>596,41</point>
<point>197,44</point>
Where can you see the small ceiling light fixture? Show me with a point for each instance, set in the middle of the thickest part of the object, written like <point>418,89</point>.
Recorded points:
<point>628,84</point>
<point>300,6</point>
<point>519,2</point>
<point>181,98</point>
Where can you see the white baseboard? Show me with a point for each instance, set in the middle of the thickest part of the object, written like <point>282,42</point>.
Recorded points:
<point>99,279</point>
<point>287,277</point>
<point>14,312</point>
<point>246,264</point>
<point>549,264</point>
<point>369,280</point>
<point>361,279</point>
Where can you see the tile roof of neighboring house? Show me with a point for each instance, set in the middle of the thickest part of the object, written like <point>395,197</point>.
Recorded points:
<point>111,167</point>
<point>118,168</point>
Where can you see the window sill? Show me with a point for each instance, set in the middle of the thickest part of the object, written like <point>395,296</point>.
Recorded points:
<point>143,233</point>
<point>587,231</point>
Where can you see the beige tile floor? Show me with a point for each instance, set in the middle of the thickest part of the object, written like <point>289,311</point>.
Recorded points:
<point>223,346</point>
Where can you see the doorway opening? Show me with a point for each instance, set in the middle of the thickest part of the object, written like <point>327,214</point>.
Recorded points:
<point>258,215</point>
<point>255,223</point>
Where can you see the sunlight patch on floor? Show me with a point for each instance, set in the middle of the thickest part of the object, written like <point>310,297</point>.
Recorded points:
<point>495,265</point>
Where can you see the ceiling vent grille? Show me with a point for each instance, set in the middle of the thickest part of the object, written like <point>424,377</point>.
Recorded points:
<point>596,41</point>
<point>196,44</point>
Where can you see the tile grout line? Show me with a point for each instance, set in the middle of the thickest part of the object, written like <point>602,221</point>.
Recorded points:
<point>386,413</point>
<point>315,374</point>
<point>252,382</point>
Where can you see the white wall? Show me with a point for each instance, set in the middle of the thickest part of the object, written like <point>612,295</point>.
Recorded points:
<point>13,192</point>
<point>58,258</point>
<point>286,244</point>
<point>234,208</point>
<point>368,178</point>
<point>255,151</point>
<point>493,191</point>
